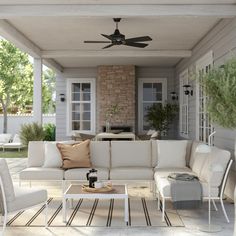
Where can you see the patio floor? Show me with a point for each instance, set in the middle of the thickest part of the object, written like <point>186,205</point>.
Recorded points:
<point>191,219</point>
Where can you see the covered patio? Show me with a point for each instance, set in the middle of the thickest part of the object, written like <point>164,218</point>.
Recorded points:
<point>186,37</point>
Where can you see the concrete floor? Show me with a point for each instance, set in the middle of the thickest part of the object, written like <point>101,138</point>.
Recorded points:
<point>191,219</point>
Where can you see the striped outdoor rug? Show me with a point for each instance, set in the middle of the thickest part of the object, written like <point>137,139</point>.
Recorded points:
<point>104,213</point>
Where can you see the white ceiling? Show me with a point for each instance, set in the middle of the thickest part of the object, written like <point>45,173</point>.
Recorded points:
<point>116,2</point>
<point>68,33</point>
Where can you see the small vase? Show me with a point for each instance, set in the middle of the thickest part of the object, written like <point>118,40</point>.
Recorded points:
<point>107,126</point>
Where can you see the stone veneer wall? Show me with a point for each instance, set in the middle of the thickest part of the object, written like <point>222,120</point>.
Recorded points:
<point>116,85</point>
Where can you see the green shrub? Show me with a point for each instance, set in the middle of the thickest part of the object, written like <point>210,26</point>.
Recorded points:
<point>160,116</point>
<point>31,132</point>
<point>49,132</point>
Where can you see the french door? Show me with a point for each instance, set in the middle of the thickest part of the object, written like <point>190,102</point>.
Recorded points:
<point>204,126</point>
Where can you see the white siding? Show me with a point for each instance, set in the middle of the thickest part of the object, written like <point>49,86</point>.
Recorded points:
<point>61,108</point>
<point>222,41</point>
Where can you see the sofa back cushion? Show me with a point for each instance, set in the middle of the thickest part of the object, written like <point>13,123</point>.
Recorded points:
<point>193,153</point>
<point>5,138</point>
<point>198,162</point>
<point>171,153</point>
<point>155,152</point>
<point>218,160</point>
<point>130,153</point>
<point>35,154</point>
<point>100,153</point>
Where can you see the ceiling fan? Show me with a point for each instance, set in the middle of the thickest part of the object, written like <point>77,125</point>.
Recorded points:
<point>119,39</point>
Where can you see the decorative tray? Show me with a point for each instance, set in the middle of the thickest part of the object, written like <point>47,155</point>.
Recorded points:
<point>104,189</point>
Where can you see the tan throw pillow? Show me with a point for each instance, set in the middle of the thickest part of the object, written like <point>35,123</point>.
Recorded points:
<point>76,155</point>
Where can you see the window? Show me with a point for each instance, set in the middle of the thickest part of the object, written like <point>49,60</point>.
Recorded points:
<point>183,105</point>
<point>81,105</point>
<point>203,123</point>
<point>150,91</point>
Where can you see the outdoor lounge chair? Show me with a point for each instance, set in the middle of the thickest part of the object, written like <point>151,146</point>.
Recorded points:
<point>4,138</point>
<point>15,199</point>
<point>15,144</point>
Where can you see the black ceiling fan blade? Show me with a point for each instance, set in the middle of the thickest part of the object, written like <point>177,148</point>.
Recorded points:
<point>108,46</point>
<point>87,41</point>
<point>107,36</point>
<point>139,39</point>
<point>137,45</point>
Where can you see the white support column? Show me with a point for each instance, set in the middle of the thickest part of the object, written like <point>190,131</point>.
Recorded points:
<point>37,97</point>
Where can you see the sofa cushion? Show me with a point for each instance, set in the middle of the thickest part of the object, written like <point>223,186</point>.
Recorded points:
<point>5,138</point>
<point>80,173</point>
<point>130,154</point>
<point>131,173</point>
<point>198,163</point>
<point>26,197</point>
<point>76,155</point>
<point>171,153</point>
<point>100,153</point>
<point>39,173</point>
<point>164,172</point>
<point>35,154</point>
<point>52,155</point>
<point>163,185</point>
<point>6,181</point>
<point>217,158</point>
<point>154,152</point>
<point>193,153</point>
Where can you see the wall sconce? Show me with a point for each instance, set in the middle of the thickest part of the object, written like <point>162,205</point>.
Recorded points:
<point>188,90</point>
<point>62,97</point>
<point>174,96</point>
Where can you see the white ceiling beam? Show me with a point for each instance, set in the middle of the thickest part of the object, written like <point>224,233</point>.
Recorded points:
<point>111,53</point>
<point>36,2</point>
<point>10,33</point>
<point>142,10</point>
<point>8,11</point>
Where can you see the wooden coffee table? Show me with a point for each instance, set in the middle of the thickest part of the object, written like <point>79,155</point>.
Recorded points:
<point>75,192</point>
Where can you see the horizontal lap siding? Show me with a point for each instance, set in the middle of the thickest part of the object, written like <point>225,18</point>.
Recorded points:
<point>222,41</point>
<point>61,108</point>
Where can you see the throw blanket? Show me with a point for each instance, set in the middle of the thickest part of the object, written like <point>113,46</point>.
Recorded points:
<point>186,191</point>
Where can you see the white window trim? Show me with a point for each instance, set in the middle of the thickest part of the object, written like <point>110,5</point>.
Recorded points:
<point>93,104</point>
<point>140,97</point>
<point>181,94</point>
<point>200,64</point>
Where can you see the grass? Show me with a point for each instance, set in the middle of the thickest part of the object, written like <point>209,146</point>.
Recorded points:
<point>13,153</point>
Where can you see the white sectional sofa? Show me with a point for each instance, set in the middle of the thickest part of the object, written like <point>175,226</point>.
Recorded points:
<point>137,161</point>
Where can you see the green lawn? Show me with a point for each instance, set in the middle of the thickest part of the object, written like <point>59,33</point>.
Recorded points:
<point>14,153</point>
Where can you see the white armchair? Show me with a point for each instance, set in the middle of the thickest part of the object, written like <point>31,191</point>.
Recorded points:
<point>15,199</point>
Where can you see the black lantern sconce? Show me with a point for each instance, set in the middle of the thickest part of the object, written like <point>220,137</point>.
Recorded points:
<point>188,90</point>
<point>174,96</point>
<point>62,97</point>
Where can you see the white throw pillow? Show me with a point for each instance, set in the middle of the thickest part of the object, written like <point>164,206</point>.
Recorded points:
<point>171,153</point>
<point>52,155</point>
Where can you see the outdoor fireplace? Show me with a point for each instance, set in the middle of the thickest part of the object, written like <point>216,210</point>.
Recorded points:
<point>120,128</point>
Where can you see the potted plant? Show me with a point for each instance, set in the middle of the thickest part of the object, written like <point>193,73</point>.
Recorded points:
<point>219,85</point>
<point>112,111</point>
<point>160,116</point>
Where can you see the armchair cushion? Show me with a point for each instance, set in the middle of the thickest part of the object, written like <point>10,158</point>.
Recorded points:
<point>26,197</point>
<point>6,181</point>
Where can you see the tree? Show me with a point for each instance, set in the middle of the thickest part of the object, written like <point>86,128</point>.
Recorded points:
<point>16,82</point>
<point>12,73</point>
